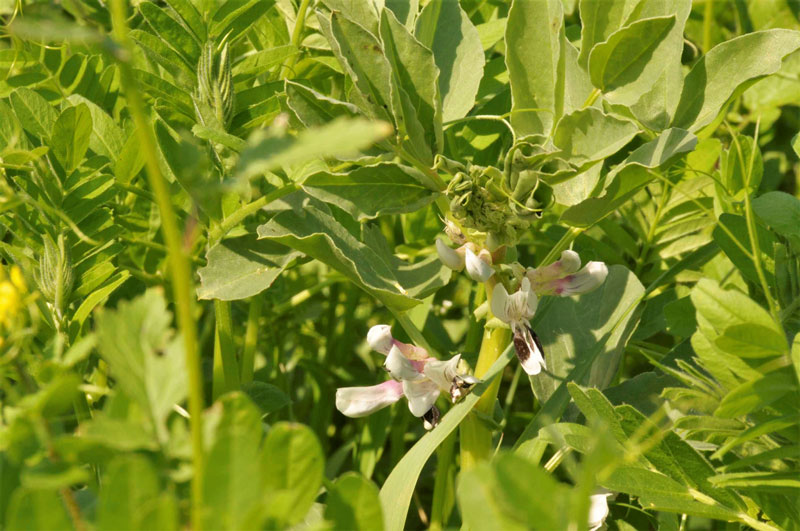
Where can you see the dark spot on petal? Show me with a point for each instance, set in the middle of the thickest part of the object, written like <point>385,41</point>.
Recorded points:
<point>523,353</point>
<point>537,342</point>
<point>431,418</point>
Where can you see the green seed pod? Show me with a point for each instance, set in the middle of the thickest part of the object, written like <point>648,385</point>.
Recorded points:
<point>55,272</point>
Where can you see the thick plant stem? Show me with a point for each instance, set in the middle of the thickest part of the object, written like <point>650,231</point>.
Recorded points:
<point>250,340</point>
<point>227,354</point>
<point>179,267</point>
<point>476,436</point>
<point>297,35</point>
<point>443,484</point>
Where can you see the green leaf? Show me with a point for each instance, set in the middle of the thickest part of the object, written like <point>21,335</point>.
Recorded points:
<point>353,503</point>
<point>627,65</point>
<point>589,135</point>
<point>537,90</point>
<point>343,136</point>
<point>415,80</point>
<point>99,295</point>
<point>107,138</point>
<point>264,60</point>
<point>71,134</point>
<point>165,56</point>
<point>780,211</point>
<point>763,481</point>
<point>736,237</point>
<point>371,191</point>
<point>599,19</point>
<point>592,328</point>
<point>171,32</point>
<point>130,161</point>
<point>512,493</point>
<point>399,487</point>
<point>756,394</point>
<point>292,467</point>
<point>629,176</point>
<point>267,397</point>
<point>36,510</point>
<point>233,488</point>
<point>313,108</point>
<point>722,309</point>
<point>190,17</point>
<point>724,71</point>
<point>241,267</point>
<point>446,29</point>
<point>137,343</point>
<point>752,341</point>
<point>131,497</point>
<point>319,235</point>
<point>35,114</point>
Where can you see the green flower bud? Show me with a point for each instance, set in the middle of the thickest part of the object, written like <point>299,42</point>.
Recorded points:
<point>214,92</point>
<point>55,272</point>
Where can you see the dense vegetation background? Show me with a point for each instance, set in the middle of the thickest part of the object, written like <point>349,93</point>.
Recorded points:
<point>206,205</point>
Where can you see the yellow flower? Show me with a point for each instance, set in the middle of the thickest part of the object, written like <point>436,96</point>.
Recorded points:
<point>18,280</point>
<point>9,302</point>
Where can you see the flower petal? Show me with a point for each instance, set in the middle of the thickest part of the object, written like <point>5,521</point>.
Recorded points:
<point>500,302</point>
<point>448,256</point>
<point>421,394</point>
<point>598,510</point>
<point>361,401</point>
<point>380,338</point>
<point>477,269</point>
<point>400,367</point>
<point>587,279</point>
<point>529,350</point>
<point>442,373</point>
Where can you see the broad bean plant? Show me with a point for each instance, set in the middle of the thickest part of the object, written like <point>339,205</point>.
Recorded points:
<point>399,264</point>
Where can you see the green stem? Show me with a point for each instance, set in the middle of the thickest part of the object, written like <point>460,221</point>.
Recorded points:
<point>250,340</point>
<point>592,98</point>
<point>227,351</point>
<point>297,34</point>
<point>252,207</point>
<point>180,269</point>
<point>476,436</point>
<point>560,245</point>
<point>708,21</point>
<point>443,484</point>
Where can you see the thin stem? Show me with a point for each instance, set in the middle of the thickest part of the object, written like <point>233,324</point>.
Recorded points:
<point>250,340</point>
<point>252,207</point>
<point>591,99</point>
<point>297,35</point>
<point>560,245</point>
<point>708,21</point>
<point>180,268</point>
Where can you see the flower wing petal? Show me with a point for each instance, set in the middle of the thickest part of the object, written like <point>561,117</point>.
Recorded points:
<point>361,401</point>
<point>421,394</point>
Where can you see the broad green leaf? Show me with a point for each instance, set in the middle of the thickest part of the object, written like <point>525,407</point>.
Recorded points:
<point>70,138</point>
<point>724,71</point>
<point>218,136</point>
<point>512,493</point>
<point>762,428</point>
<point>589,135</point>
<point>267,397</point>
<point>343,136</point>
<point>537,79</point>
<point>371,191</point>
<point>135,340</point>
<point>164,90</point>
<point>171,32</point>
<point>599,19</point>
<point>780,211</point>
<point>99,295</point>
<point>190,17</point>
<point>445,29</point>
<point>131,498</point>
<point>36,510</point>
<point>107,137</point>
<point>130,161</point>
<point>415,80</point>
<point>732,236</point>
<point>353,503</point>
<point>319,235</point>
<point>629,176</point>
<point>365,13</point>
<point>764,481</point>
<point>742,168</point>
<point>35,114</point>
<point>233,489</point>
<point>313,108</point>
<point>264,60</point>
<point>292,467</point>
<point>627,65</point>
<point>756,394</point>
<point>721,309</point>
<point>589,329</point>
<point>238,268</point>
<point>752,341</point>
<point>399,487</point>
<point>165,56</point>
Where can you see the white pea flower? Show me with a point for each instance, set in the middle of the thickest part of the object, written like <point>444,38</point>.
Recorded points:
<point>517,310</point>
<point>416,375</point>
<point>598,509</point>
<point>563,278</point>
<point>479,266</point>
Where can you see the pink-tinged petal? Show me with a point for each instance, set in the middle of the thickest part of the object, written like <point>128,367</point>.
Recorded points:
<point>478,269</point>
<point>587,279</point>
<point>362,401</point>
<point>448,256</point>
<point>380,338</point>
<point>400,367</point>
<point>567,264</point>
<point>421,395</point>
<point>442,373</point>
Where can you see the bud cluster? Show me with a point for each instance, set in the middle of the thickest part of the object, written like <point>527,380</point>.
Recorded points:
<point>214,85</point>
<point>55,272</point>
